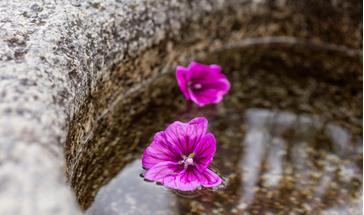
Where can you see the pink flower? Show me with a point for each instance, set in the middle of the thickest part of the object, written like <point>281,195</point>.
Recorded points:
<point>203,84</point>
<point>179,156</point>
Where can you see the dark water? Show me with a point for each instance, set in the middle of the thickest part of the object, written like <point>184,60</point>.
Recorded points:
<point>289,140</point>
<point>274,161</point>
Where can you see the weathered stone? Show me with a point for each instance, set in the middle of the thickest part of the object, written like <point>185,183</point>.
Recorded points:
<point>57,56</point>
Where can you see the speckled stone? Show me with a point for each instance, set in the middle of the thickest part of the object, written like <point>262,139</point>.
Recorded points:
<point>56,57</point>
<point>52,55</point>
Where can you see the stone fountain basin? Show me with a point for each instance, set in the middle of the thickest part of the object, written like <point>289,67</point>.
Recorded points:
<point>74,79</point>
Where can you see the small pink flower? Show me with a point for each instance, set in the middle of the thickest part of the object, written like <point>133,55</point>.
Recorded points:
<point>179,156</point>
<point>203,84</point>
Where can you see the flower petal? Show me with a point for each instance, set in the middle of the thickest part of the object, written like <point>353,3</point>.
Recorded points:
<point>196,129</point>
<point>187,135</point>
<point>182,80</point>
<point>220,85</point>
<point>213,84</point>
<point>186,180</point>
<point>191,179</point>
<point>209,178</point>
<point>162,170</point>
<point>197,70</point>
<point>160,150</point>
<point>201,72</point>
<point>212,91</point>
<point>205,97</point>
<point>204,152</point>
<point>215,73</point>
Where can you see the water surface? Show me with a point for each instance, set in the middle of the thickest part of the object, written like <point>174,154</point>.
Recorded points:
<point>289,140</point>
<point>274,161</point>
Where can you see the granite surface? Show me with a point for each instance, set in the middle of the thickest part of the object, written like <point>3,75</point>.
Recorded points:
<point>56,57</point>
<point>53,54</point>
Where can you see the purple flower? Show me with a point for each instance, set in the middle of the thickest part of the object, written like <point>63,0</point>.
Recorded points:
<point>203,84</point>
<point>179,156</point>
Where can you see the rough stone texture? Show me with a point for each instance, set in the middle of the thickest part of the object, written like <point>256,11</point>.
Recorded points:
<point>57,56</point>
<point>52,54</point>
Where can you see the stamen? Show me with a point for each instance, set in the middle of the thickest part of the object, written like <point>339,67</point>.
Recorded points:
<point>197,86</point>
<point>187,160</point>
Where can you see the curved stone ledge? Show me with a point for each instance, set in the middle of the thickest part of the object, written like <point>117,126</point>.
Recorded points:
<point>56,57</point>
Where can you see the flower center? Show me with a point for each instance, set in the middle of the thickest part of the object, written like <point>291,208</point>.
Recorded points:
<point>187,160</point>
<point>197,86</point>
<point>194,86</point>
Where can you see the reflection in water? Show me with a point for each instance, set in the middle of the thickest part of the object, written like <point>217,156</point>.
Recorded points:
<point>273,174</point>
<point>127,193</point>
<point>254,151</point>
<point>274,161</point>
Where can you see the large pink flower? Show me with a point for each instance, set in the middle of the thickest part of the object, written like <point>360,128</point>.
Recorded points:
<point>179,156</point>
<point>203,84</point>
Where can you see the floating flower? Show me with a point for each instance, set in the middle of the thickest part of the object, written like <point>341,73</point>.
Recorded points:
<point>203,84</point>
<point>179,157</point>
